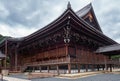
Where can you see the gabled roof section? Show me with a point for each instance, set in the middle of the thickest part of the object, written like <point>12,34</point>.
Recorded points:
<point>87,13</point>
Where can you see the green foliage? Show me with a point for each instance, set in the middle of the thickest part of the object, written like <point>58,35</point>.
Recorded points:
<point>1,38</point>
<point>116,56</point>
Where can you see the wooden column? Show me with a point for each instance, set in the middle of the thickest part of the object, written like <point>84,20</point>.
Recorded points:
<point>57,69</point>
<point>66,46</point>
<point>105,63</point>
<point>5,62</point>
<point>16,59</point>
<point>48,68</point>
<point>110,67</point>
<point>40,68</point>
<point>113,66</point>
<point>98,67</point>
<point>69,68</point>
<point>2,63</point>
<point>16,56</point>
<point>78,68</point>
<point>93,67</point>
<point>86,67</point>
<point>103,67</point>
<point>33,69</point>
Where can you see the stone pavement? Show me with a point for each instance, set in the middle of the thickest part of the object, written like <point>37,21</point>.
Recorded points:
<point>99,77</point>
<point>6,78</point>
<point>88,76</point>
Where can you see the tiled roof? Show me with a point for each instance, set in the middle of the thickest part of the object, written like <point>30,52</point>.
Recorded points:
<point>115,47</point>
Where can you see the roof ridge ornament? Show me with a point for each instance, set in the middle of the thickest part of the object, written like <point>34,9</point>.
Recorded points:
<point>68,5</point>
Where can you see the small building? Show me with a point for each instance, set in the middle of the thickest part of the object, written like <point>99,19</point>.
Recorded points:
<point>68,43</point>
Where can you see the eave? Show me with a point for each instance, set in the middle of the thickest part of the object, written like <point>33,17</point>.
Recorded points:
<point>109,50</point>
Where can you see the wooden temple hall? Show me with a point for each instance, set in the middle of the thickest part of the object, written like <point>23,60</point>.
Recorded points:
<point>72,43</point>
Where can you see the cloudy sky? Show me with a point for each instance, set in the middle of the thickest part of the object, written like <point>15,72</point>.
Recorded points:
<point>20,18</point>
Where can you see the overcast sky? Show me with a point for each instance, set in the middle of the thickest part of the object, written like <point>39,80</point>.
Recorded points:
<point>19,18</point>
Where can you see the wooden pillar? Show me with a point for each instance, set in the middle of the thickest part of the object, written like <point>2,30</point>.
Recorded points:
<point>78,68</point>
<point>103,67</point>
<point>69,68</point>
<point>105,64</point>
<point>57,69</point>
<point>93,68</point>
<point>86,67</point>
<point>48,68</point>
<point>113,66</point>
<point>16,59</point>
<point>6,50</point>
<point>110,67</point>
<point>2,63</point>
<point>33,69</point>
<point>98,67</point>
<point>66,45</point>
<point>16,56</point>
<point>40,68</point>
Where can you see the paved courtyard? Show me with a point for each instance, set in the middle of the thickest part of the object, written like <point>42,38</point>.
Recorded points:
<point>100,77</point>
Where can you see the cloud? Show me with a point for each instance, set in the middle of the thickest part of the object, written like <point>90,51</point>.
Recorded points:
<point>3,12</point>
<point>18,31</point>
<point>108,16</point>
<point>24,15</point>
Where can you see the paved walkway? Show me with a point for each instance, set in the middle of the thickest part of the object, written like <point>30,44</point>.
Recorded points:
<point>13,79</point>
<point>97,76</point>
<point>100,77</point>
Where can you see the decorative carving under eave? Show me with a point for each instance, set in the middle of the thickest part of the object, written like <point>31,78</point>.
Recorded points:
<point>67,31</point>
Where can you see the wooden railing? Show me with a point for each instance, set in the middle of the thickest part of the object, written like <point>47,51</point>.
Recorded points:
<point>85,61</point>
<point>70,60</point>
<point>49,62</point>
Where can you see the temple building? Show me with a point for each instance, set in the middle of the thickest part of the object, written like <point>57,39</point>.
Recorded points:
<point>74,41</point>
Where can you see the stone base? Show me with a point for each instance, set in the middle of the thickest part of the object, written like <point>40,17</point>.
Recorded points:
<point>5,72</point>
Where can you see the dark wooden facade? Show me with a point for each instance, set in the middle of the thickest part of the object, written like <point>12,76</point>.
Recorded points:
<point>68,42</point>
